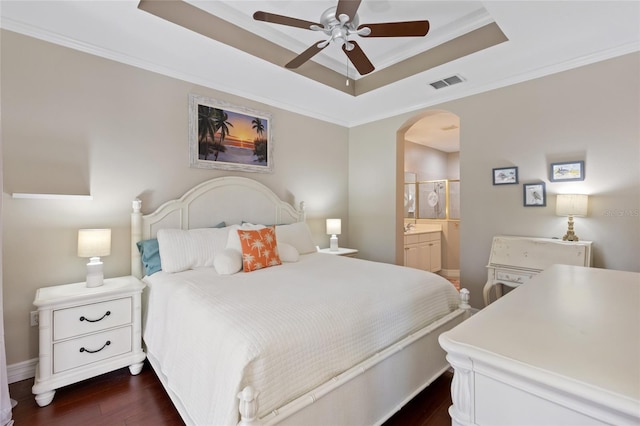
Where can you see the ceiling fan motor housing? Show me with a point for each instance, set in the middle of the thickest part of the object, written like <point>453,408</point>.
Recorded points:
<point>338,29</point>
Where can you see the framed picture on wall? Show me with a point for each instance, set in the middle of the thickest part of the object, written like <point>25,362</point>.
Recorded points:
<point>573,170</point>
<point>505,176</point>
<point>229,137</point>
<point>535,194</point>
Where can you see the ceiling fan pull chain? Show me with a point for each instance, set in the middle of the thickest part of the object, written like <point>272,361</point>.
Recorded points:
<point>347,71</point>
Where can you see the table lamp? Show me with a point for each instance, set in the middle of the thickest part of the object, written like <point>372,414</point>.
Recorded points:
<point>334,228</point>
<point>571,205</point>
<point>93,243</point>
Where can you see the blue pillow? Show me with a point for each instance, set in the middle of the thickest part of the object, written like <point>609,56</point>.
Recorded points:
<point>150,252</point>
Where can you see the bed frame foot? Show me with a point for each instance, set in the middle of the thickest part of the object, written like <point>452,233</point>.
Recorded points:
<point>248,407</point>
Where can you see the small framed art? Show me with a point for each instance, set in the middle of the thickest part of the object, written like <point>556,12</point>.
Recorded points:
<point>535,194</point>
<point>572,170</point>
<point>505,176</point>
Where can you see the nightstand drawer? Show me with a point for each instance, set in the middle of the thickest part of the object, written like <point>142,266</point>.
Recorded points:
<point>90,318</point>
<point>512,277</point>
<point>96,347</point>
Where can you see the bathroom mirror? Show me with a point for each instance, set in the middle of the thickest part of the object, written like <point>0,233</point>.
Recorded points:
<point>410,195</point>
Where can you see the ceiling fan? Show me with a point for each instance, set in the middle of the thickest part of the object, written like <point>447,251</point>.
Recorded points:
<point>339,23</point>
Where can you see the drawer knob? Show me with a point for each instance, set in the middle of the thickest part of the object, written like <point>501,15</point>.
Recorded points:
<point>83,318</point>
<point>107,343</point>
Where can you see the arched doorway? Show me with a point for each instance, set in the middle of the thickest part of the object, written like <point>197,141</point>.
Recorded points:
<point>428,149</point>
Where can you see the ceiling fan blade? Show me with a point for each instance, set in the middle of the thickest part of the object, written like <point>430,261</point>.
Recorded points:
<point>283,20</point>
<point>305,56</point>
<point>347,7</point>
<point>398,29</point>
<point>358,58</point>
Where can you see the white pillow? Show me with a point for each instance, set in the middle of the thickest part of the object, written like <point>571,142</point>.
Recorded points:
<point>233,240</point>
<point>287,252</point>
<point>181,249</point>
<point>228,262</point>
<point>298,235</point>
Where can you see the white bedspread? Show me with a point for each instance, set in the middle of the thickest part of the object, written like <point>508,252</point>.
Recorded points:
<point>283,330</point>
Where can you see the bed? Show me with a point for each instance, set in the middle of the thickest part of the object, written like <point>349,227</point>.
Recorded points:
<point>311,339</point>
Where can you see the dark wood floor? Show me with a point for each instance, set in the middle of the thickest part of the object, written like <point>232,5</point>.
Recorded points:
<point>118,398</point>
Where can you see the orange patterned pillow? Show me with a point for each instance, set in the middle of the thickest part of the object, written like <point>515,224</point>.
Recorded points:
<point>259,248</point>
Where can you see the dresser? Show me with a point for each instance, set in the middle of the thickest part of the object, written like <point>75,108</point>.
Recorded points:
<point>513,260</point>
<point>84,332</point>
<point>562,350</point>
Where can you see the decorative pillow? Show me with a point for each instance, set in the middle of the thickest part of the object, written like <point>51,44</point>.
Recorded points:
<point>233,241</point>
<point>150,253</point>
<point>228,262</point>
<point>298,235</point>
<point>287,252</point>
<point>259,248</point>
<point>181,250</point>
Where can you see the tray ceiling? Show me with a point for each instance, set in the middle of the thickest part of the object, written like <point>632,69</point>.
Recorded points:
<point>528,39</point>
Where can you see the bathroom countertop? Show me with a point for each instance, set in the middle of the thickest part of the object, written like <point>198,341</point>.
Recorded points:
<point>423,229</point>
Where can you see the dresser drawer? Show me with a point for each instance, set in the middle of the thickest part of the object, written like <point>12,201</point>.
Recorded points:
<point>90,318</point>
<point>95,347</point>
<point>517,278</point>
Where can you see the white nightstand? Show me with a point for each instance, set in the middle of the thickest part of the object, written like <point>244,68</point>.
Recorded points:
<point>340,252</point>
<point>85,332</point>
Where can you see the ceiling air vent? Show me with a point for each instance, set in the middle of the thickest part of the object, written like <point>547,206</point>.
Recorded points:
<point>446,82</point>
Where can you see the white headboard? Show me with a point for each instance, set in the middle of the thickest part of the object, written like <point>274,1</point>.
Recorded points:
<point>231,199</point>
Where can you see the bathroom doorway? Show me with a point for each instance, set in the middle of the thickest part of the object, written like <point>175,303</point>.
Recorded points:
<point>429,155</point>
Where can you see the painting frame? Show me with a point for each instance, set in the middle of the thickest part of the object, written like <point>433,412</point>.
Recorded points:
<point>534,194</point>
<point>234,150</point>
<point>566,171</point>
<point>505,176</point>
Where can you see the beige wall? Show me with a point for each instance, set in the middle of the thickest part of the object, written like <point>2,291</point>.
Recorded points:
<point>429,163</point>
<point>76,123</point>
<point>589,113</point>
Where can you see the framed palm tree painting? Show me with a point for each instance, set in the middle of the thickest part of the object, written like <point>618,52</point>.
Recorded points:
<point>228,137</point>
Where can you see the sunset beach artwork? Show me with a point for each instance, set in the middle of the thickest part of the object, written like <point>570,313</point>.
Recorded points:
<point>223,136</point>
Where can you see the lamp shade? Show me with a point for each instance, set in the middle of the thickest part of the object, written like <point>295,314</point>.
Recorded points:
<point>334,226</point>
<point>94,242</point>
<point>572,204</point>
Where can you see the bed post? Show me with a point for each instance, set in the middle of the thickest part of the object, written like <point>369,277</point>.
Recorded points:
<point>136,235</point>
<point>248,407</point>
<point>464,302</point>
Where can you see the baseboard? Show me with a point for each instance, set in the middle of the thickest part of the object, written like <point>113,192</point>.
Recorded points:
<point>22,370</point>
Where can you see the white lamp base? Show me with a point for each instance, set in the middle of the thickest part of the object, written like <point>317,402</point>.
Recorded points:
<point>333,243</point>
<point>95,277</point>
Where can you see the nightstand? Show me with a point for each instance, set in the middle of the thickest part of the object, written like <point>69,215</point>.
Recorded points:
<point>340,252</point>
<point>85,332</point>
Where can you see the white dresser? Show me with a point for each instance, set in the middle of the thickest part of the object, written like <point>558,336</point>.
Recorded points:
<point>85,332</point>
<point>563,350</point>
<point>513,261</point>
